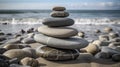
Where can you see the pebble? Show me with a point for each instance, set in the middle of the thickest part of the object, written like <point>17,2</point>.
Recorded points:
<point>91,48</point>
<point>81,34</point>
<point>17,53</point>
<point>27,61</point>
<point>108,29</point>
<point>102,55</point>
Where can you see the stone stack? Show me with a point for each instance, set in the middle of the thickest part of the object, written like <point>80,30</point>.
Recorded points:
<point>58,39</point>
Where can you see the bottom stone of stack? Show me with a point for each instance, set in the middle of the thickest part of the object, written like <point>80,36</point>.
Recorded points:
<point>55,54</point>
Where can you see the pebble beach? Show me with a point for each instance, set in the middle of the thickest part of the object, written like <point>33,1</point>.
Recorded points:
<point>59,42</point>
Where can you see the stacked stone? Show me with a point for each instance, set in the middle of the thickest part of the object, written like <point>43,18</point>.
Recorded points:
<point>58,38</point>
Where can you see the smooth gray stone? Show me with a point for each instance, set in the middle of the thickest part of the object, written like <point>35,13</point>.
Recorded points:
<point>28,40</point>
<point>59,32</point>
<point>59,14</point>
<point>13,41</point>
<point>58,8</point>
<point>14,61</point>
<point>109,50</point>
<point>102,55</point>
<point>58,22</point>
<point>115,39</point>
<point>50,53</point>
<point>69,43</point>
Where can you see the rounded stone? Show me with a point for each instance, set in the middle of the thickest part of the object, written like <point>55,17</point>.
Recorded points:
<point>56,54</point>
<point>108,29</point>
<point>81,34</point>
<point>104,38</point>
<point>13,41</point>
<point>58,22</point>
<point>109,50</point>
<point>58,32</point>
<point>17,53</point>
<point>97,31</point>
<point>27,61</point>
<point>101,43</point>
<point>28,40</point>
<point>1,33</point>
<point>58,8</point>
<point>116,57</point>
<point>31,51</point>
<point>114,44</point>
<point>59,14</point>
<point>115,39</point>
<point>113,35</point>
<point>91,48</point>
<point>69,43</point>
<point>2,38</point>
<point>85,56</point>
<point>11,46</point>
<point>102,55</point>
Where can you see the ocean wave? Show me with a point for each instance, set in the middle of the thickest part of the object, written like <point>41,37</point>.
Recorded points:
<point>77,21</point>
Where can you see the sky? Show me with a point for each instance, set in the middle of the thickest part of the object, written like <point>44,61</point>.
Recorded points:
<point>69,4</point>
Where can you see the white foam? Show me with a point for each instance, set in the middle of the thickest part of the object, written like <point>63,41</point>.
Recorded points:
<point>77,21</point>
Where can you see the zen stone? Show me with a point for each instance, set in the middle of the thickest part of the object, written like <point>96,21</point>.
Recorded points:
<point>58,22</point>
<point>59,14</point>
<point>56,54</point>
<point>58,8</point>
<point>17,53</point>
<point>70,43</point>
<point>59,32</point>
<point>13,41</point>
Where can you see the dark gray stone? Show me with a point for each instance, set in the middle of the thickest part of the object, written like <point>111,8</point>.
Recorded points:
<point>102,55</point>
<point>58,22</point>
<point>109,50</point>
<point>69,43</point>
<point>59,14</point>
<point>58,8</point>
<point>59,32</point>
<point>116,57</point>
<point>56,54</point>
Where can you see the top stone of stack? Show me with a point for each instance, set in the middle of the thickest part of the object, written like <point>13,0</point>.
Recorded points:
<point>59,12</point>
<point>59,8</point>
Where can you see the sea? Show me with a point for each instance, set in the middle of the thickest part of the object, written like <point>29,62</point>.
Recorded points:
<point>79,16</point>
